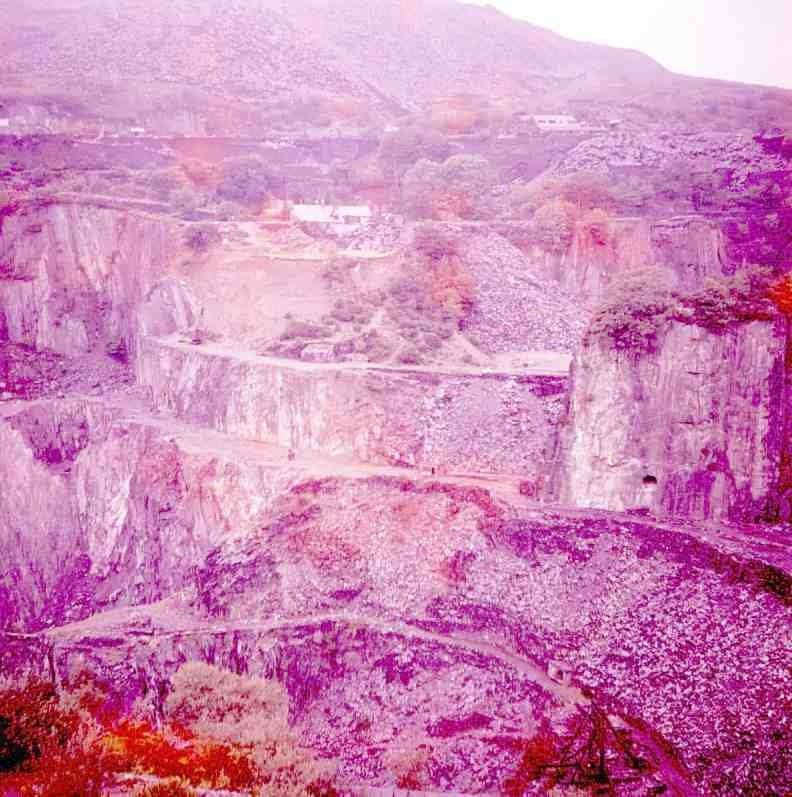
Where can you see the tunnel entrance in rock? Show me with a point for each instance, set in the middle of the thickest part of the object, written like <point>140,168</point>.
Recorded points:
<point>649,479</point>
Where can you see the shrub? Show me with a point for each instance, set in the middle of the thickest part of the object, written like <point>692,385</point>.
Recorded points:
<point>409,144</point>
<point>537,755</point>
<point>173,787</point>
<point>407,759</point>
<point>634,311</point>
<point>216,701</point>
<point>226,732</point>
<point>251,713</point>
<point>46,749</point>
<point>201,237</point>
<point>454,187</point>
<point>409,355</point>
<point>244,180</point>
<point>434,242</point>
<point>642,302</point>
<point>584,190</point>
<point>32,724</point>
<point>554,225</point>
<point>305,330</point>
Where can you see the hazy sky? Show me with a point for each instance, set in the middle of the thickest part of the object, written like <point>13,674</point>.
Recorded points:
<point>745,40</point>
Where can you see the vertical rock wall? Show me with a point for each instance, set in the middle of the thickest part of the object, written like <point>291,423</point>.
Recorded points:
<point>692,428</point>
<point>71,276</point>
<point>454,422</point>
<point>690,249</point>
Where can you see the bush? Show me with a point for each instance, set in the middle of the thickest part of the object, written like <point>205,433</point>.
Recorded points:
<point>201,237</point>
<point>46,749</point>
<point>554,225</point>
<point>634,311</point>
<point>409,144</point>
<point>584,190</point>
<point>305,330</point>
<point>434,242</point>
<point>407,759</point>
<point>251,713</point>
<point>173,787</point>
<point>454,187</point>
<point>409,355</point>
<point>225,731</point>
<point>245,181</point>
<point>642,302</point>
<point>218,703</point>
<point>32,724</point>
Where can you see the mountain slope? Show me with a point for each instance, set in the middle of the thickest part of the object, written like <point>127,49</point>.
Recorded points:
<point>419,50</point>
<point>316,62</point>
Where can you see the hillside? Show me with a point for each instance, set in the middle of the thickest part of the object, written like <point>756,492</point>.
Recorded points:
<point>395,399</point>
<point>247,63</point>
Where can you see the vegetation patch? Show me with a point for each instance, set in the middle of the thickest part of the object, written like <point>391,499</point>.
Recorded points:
<point>222,731</point>
<point>641,304</point>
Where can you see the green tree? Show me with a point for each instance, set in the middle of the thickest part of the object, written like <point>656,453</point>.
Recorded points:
<point>554,225</point>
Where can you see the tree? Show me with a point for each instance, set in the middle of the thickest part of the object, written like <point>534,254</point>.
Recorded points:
<point>244,180</point>
<point>554,224</point>
<point>586,190</point>
<point>452,188</point>
<point>465,178</point>
<point>400,149</point>
<point>434,242</point>
<point>421,190</point>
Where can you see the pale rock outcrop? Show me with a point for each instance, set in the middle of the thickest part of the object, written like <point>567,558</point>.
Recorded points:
<point>72,274</point>
<point>693,427</point>
<point>491,423</point>
<point>690,249</point>
<point>170,306</point>
<point>100,509</point>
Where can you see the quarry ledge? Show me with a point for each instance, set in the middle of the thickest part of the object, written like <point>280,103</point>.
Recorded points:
<point>536,363</point>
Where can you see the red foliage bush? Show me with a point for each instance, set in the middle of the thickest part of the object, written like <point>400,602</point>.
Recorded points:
<point>538,754</point>
<point>136,746</point>
<point>44,751</point>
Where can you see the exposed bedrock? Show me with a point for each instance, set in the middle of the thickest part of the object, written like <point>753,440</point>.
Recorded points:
<point>99,509</point>
<point>419,607</point>
<point>72,276</point>
<point>454,422</point>
<point>689,249</point>
<point>693,427</point>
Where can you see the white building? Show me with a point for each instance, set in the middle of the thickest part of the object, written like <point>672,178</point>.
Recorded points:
<point>5,123</point>
<point>558,121</point>
<point>312,214</point>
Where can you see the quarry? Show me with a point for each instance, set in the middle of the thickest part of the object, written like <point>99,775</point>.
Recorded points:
<point>481,473</point>
<point>350,526</point>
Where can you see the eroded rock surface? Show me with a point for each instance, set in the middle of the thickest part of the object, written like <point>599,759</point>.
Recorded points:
<point>692,427</point>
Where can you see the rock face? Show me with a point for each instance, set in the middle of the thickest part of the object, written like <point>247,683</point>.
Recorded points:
<point>99,509</point>
<point>488,423</point>
<point>690,249</point>
<point>385,606</point>
<point>692,428</point>
<point>71,276</point>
